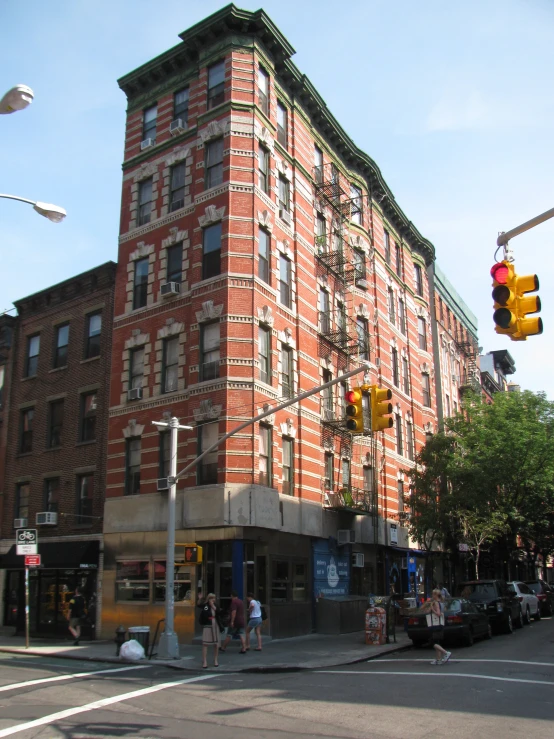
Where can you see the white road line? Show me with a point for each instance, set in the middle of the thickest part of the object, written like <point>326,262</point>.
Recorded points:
<point>68,676</point>
<point>455,659</point>
<point>99,704</point>
<point>439,673</point>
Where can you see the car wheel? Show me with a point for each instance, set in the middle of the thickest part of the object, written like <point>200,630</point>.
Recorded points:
<point>488,633</point>
<point>527,619</point>
<point>509,624</point>
<point>537,615</point>
<point>519,621</point>
<point>468,638</point>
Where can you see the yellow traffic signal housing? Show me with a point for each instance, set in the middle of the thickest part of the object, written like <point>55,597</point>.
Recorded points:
<point>188,554</point>
<point>354,411</point>
<point>381,409</point>
<point>511,304</point>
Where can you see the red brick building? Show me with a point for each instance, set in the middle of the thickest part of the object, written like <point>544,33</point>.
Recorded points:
<point>55,450</point>
<point>7,328</point>
<point>261,254</point>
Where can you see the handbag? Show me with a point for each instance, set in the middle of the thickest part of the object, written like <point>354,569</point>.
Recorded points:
<point>263,613</point>
<point>434,621</point>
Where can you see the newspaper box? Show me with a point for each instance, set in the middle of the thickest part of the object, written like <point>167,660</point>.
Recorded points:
<point>375,626</point>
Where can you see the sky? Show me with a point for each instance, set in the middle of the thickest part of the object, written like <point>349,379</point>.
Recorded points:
<point>453,101</point>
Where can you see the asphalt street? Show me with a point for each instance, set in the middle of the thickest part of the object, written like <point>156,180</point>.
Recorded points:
<point>499,688</point>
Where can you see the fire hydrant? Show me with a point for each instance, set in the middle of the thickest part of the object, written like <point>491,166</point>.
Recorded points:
<point>120,634</point>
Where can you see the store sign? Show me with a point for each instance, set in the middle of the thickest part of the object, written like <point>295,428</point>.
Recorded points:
<point>393,533</point>
<point>26,541</point>
<point>331,571</point>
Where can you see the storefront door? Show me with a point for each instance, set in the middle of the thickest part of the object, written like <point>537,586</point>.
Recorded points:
<point>224,583</point>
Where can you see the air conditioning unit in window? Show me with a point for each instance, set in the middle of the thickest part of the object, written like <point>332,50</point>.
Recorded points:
<point>176,127</point>
<point>47,518</point>
<point>285,216</point>
<point>346,536</point>
<point>358,559</point>
<point>135,393</point>
<point>361,282</point>
<point>20,523</point>
<point>147,143</point>
<point>170,288</point>
<point>162,484</point>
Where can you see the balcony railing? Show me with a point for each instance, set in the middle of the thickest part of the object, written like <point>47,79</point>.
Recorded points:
<point>349,498</point>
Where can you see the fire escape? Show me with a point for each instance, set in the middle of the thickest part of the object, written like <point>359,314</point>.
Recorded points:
<point>341,339</point>
<point>470,379</point>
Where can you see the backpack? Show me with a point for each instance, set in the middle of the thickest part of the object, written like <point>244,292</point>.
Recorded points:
<point>204,618</point>
<point>263,612</point>
<point>78,607</point>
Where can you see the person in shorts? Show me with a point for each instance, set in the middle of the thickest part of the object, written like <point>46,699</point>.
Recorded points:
<point>76,613</point>
<point>437,632</point>
<point>254,621</point>
<point>236,623</point>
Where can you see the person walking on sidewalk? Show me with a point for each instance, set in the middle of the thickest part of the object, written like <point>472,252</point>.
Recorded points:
<point>236,623</point>
<point>76,613</point>
<point>437,628</point>
<point>254,621</point>
<point>210,620</point>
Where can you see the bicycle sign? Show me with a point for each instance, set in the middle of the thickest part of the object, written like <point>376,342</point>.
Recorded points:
<point>26,541</point>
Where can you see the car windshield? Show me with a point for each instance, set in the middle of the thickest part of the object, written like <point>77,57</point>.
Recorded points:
<point>535,586</point>
<point>486,589</point>
<point>453,604</point>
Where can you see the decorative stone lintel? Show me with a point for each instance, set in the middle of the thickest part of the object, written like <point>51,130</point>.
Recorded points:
<point>212,214</point>
<point>265,315</point>
<point>138,339</point>
<point>172,328</point>
<point>209,312</point>
<point>207,411</point>
<point>175,236</point>
<point>177,156</point>
<point>264,219</point>
<point>287,428</point>
<point>142,250</point>
<point>133,429</point>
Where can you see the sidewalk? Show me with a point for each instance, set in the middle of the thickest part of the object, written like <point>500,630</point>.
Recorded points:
<point>314,651</point>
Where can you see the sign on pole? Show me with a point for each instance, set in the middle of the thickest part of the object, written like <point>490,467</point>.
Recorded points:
<point>463,547</point>
<point>26,541</point>
<point>32,560</point>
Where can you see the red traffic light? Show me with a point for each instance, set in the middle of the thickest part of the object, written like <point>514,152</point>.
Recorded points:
<point>352,396</point>
<point>500,272</point>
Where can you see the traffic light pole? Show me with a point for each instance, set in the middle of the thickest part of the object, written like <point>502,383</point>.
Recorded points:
<point>503,239</point>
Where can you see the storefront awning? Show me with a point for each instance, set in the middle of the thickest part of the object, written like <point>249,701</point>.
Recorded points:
<point>57,555</point>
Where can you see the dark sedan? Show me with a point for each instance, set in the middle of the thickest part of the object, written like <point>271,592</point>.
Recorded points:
<point>463,623</point>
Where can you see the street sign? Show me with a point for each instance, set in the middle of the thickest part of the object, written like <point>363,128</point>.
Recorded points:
<point>32,560</point>
<point>26,541</point>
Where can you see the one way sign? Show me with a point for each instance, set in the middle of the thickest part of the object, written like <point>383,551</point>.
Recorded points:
<point>26,541</point>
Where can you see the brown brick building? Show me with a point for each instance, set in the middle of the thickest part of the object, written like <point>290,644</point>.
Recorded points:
<point>56,436</point>
<point>261,254</point>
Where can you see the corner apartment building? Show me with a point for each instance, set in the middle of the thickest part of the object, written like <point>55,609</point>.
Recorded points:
<point>55,432</point>
<point>495,367</point>
<point>261,254</point>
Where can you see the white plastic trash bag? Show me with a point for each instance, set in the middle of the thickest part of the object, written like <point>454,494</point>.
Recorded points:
<point>131,650</point>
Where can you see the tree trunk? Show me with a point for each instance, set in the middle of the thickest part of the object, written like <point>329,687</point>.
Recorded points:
<point>477,555</point>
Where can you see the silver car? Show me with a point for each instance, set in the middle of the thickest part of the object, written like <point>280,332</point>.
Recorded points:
<point>529,604</point>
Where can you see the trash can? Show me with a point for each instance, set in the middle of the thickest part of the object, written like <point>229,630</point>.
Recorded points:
<point>142,635</point>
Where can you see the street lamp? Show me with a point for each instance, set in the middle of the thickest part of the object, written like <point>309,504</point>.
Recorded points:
<point>18,98</point>
<point>168,647</point>
<point>54,213</point>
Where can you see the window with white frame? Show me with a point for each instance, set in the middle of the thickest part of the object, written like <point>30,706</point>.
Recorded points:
<point>390,299</point>
<point>216,84</point>
<point>324,311</point>
<point>282,124</point>
<point>321,233</point>
<point>402,316</point>
<point>418,278</point>
<point>328,472</point>
<point>410,445</point>
<point>284,193</point>
<point>181,106</point>
<point>399,439</point>
<point>318,170</point>
<point>149,119</point>
<point>422,332</point>
<point>210,351</point>
<point>177,187</point>
<point>264,250</point>
<point>145,202</point>
<point>264,353</point>
<point>264,455</point>
<point>286,372</point>
<point>405,375</point>
<point>363,338</point>
<point>263,89</point>
<point>288,468</point>
<point>285,286</point>
<point>170,364</point>
<point>398,260</point>
<point>394,364</point>
<point>214,163</point>
<point>355,204</point>
<point>263,169</point>
<point>386,238</point>
<point>426,389</point>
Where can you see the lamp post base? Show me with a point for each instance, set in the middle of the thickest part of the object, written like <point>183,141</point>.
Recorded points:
<point>168,647</point>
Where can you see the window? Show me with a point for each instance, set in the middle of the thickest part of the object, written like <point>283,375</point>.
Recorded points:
<point>181,106</point>
<point>170,364</point>
<point>284,193</point>
<point>447,399</point>
<point>288,470</point>
<point>363,338</point>
<point>132,581</point>
<point>441,310</point>
<point>327,397</point>
<point>405,375</point>
<point>263,89</point>
<point>88,416</point>
<point>328,473</point>
<point>318,157</point>
<point>286,372</point>
<point>402,315</point>
<point>136,368</point>
<point>55,424</point>
<point>282,124</point>
<point>177,187</point>
<point>368,478</point>
<point>410,440</point>
<point>418,276</point>
<point>264,354</point>
<point>140,286</point>
<point>324,312</point>
<point>211,338</point>
<point>211,251</point>
<point>94,330</point>
<point>398,253</point>
<point>132,467</point>
<point>62,341</point>
<point>207,467</point>
<point>426,390</point>
<point>216,84</point>
<point>265,462</point>
<point>26,430</point>
<point>400,489</point>
<point>342,389</point>
<point>355,204</point>
<point>346,473</point>
<point>422,333</point>
<point>394,363</point>
<point>285,288</point>
<point>164,453</point>
<point>263,168</point>
<point>33,348</point>
<point>341,323</point>
<point>390,295</point>
<point>149,117</point>
<point>22,491</point>
<point>359,266</point>
<point>2,374</point>
<point>321,233</point>
<point>174,256</point>
<point>399,441</point>
<point>214,163</point>
<point>264,241</point>
<point>85,492</point>
<point>387,246</point>
<point>145,202</point>
<point>51,494</point>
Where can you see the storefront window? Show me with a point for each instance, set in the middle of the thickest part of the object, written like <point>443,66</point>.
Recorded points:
<point>132,581</point>
<point>289,581</point>
<point>299,581</point>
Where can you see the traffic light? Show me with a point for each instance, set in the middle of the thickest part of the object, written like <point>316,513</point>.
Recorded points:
<point>354,411</point>
<point>188,554</point>
<point>381,409</point>
<point>511,304</point>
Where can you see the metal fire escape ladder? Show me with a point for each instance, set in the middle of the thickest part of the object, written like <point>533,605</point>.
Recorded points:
<point>470,379</point>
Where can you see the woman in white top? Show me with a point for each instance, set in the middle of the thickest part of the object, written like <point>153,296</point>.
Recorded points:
<point>254,621</point>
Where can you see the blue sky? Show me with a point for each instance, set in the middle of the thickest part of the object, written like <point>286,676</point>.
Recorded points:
<point>452,100</point>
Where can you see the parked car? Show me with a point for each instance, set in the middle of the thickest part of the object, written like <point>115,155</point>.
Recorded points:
<point>463,622</point>
<point>544,593</point>
<point>495,599</point>
<point>529,603</point>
